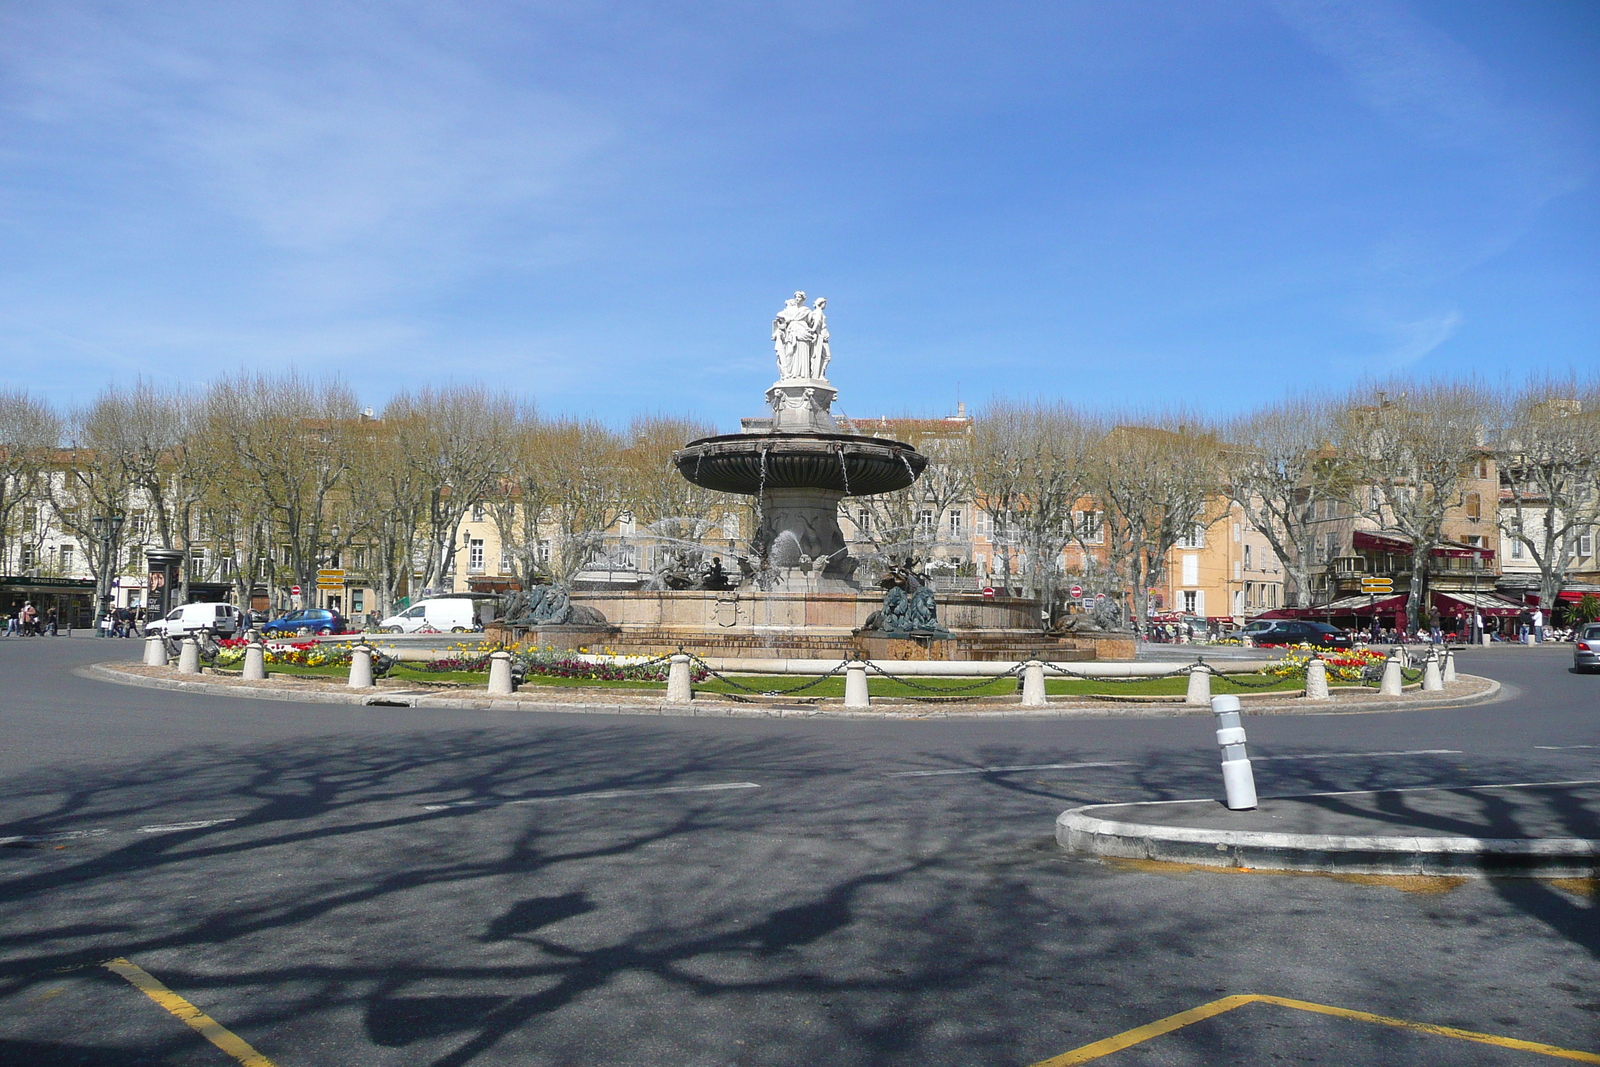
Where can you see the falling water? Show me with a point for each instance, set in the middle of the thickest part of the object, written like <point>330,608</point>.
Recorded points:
<point>844,468</point>
<point>907,463</point>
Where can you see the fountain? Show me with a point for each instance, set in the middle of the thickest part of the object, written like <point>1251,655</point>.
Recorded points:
<point>799,595</point>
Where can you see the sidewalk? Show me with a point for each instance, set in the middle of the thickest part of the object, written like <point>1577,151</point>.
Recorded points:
<point>1544,828</point>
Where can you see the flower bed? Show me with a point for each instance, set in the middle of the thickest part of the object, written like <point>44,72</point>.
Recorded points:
<point>293,653</point>
<point>1342,666</point>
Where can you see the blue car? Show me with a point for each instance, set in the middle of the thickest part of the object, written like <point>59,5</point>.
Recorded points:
<point>306,620</point>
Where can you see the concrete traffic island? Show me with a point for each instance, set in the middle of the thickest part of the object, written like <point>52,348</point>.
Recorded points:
<point>1529,829</point>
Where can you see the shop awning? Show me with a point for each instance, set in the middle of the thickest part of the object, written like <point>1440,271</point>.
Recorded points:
<point>1488,604</point>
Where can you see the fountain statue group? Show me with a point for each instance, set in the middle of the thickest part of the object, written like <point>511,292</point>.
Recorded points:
<point>908,610</point>
<point>547,605</point>
<point>800,337</point>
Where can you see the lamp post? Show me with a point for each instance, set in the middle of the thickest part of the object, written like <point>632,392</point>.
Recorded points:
<point>107,529</point>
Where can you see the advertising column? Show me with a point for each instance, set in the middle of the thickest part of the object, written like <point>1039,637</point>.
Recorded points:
<point>165,580</point>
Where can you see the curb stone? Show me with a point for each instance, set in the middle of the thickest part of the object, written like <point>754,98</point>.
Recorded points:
<point>709,708</point>
<point>1079,831</point>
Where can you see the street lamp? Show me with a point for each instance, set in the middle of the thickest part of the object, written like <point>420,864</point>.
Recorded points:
<point>106,530</point>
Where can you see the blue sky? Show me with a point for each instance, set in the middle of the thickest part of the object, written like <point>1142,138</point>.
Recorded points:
<point>601,205</point>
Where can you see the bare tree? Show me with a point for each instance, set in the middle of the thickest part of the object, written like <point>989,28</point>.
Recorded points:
<point>1032,464</point>
<point>29,435</point>
<point>1154,479</point>
<point>1277,470</point>
<point>290,437</point>
<point>565,489</point>
<point>1548,450</point>
<point>458,439</point>
<point>913,521</point>
<point>1406,449</point>
<point>90,497</point>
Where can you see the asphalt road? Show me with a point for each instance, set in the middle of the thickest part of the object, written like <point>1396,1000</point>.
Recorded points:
<point>347,886</point>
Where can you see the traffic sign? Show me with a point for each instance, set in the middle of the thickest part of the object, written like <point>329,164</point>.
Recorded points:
<point>321,584</point>
<point>987,591</point>
<point>1099,596</point>
<point>1077,592</point>
<point>294,590</point>
<point>1377,585</point>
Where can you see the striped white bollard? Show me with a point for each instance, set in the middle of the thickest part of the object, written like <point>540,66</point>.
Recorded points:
<point>189,657</point>
<point>255,658</point>
<point>1449,666</point>
<point>360,667</point>
<point>1317,679</point>
<point>1431,680</point>
<point>155,652</point>
<point>855,685</point>
<point>679,689</point>
<point>500,674</point>
<point>1199,684</point>
<point>1033,684</point>
<point>1393,681</point>
<point>1238,780</point>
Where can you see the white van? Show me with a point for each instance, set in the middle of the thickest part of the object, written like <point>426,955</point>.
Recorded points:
<point>221,619</point>
<point>452,615</point>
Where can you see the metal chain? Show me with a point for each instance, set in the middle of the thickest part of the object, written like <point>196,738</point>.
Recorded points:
<point>1187,668</point>
<point>763,692</point>
<point>979,684</point>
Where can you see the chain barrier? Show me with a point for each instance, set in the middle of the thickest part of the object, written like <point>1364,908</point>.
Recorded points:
<point>710,672</point>
<point>1187,668</point>
<point>940,689</point>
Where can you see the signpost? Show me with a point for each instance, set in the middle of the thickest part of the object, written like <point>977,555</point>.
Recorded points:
<point>1372,586</point>
<point>1077,592</point>
<point>330,578</point>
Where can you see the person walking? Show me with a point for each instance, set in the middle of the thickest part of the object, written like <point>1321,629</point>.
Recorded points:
<point>52,622</point>
<point>1538,625</point>
<point>12,628</point>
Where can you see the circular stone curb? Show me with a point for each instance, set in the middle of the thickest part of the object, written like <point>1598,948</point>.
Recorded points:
<point>1079,832</point>
<point>711,708</point>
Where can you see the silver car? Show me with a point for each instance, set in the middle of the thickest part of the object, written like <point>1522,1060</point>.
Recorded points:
<point>1586,648</point>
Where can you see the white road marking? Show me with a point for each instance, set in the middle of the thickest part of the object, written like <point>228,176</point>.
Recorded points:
<point>1358,755</point>
<point>1562,748</point>
<point>600,795</point>
<point>44,839</point>
<point>1007,770</point>
<point>173,828</point>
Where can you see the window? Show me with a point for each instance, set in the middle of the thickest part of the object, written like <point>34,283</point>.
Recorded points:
<point>1247,565</point>
<point>730,526</point>
<point>1474,507</point>
<point>477,513</point>
<point>925,522</point>
<point>1195,537</point>
<point>30,517</point>
<point>1516,548</point>
<point>1330,545</point>
<point>1189,601</point>
<point>26,557</point>
<point>956,525</point>
<point>864,521</point>
<point>1374,498</point>
<point>982,524</point>
<point>1586,543</point>
<point>475,556</point>
<point>66,557</point>
<point>358,558</point>
<point>358,600</point>
<point>544,553</point>
<point>1191,570</point>
<point>505,560</point>
<point>1091,527</point>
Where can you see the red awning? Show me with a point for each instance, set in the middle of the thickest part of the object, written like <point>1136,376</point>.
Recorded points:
<point>1366,540</point>
<point>1488,604</point>
<point>1575,594</point>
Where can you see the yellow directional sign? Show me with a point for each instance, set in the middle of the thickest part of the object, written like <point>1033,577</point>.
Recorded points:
<point>331,572</point>
<point>1377,585</point>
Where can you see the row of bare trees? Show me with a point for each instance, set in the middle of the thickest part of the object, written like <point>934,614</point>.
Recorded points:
<point>265,479</point>
<point>272,477</point>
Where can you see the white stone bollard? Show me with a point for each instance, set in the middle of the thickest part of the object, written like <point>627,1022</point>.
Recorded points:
<point>155,652</point>
<point>1393,681</point>
<point>360,667</point>
<point>1317,679</point>
<point>1033,684</point>
<point>1486,639</point>
<point>1431,681</point>
<point>255,659</point>
<point>855,685</point>
<point>1449,666</point>
<point>1238,780</point>
<point>189,657</point>
<point>500,674</point>
<point>1199,684</point>
<point>679,689</point>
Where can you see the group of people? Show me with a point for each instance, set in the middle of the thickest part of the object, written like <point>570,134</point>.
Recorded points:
<point>123,622</point>
<point>28,621</point>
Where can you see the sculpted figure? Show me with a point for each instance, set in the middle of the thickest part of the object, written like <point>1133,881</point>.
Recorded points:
<point>821,353</point>
<point>800,338</point>
<point>794,309</point>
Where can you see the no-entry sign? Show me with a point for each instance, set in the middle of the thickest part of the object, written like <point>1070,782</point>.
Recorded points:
<point>294,590</point>
<point>1077,592</point>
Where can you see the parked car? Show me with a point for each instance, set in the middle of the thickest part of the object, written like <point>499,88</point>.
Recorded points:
<point>446,615</point>
<point>1300,632</point>
<point>1586,648</point>
<point>306,620</point>
<point>220,619</point>
<point>1244,633</point>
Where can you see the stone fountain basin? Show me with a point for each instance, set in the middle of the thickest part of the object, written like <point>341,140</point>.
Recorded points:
<point>842,463</point>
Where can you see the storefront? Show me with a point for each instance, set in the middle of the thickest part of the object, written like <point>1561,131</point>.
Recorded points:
<point>71,598</point>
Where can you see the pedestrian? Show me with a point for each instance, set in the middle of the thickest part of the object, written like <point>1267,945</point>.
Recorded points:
<point>51,622</point>
<point>12,628</point>
<point>1538,625</point>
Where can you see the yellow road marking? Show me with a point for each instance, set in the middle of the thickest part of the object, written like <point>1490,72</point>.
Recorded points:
<point>1138,1034</point>
<point>205,1025</point>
